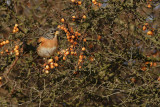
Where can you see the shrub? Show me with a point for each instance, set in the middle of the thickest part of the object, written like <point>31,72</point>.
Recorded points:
<point>108,53</point>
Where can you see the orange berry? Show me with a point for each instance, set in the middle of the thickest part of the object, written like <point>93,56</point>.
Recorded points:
<point>17,53</point>
<point>15,50</point>
<point>59,26</point>
<point>15,28</point>
<point>64,58</point>
<point>76,33</point>
<point>154,56</point>
<point>71,40</point>
<point>93,1</point>
<point>154,64</point>
<point>68,37</point>
<point>44,64</point>
<point>62,20</point>
<point>79,63</point>
<point>63,51</point>
<point>4,42</point>
<point>56,64</point>
<point>58,53</point>
<point>62,27</point>
<point>71,30</point>
<point>91,58</point>
<point>99,37</point>
<point>144,27</point>
<point>75,53</point>
<point>146,63</point>
<point>51,66</point>
<point>0,78</point>
<point>76,72</point>
<point>71,46</point>
<point>146,24</point>
<point>80,67</point>
<point>68,34</point>
<point>143,68</point>
<point>67,49</point>
<point>65,30</point>
<point>73,36</point>
<point>133,80</point>
<point>71,49</point>
<point>151,64</point>
<point>99,4</point>
<point>79,34</point>
<point>7,41</point>
<point>16,47</point>
<point>72,0</point>
<point>75,43</point>
<point>67,53</point>
<point>72,52</point>
<point>1,44</point>
<point>46,71</point>
<point>7,50</point>
<point>158,78</point>
<point>2,52</point>
<point>149,33</point>
<point>56,58</point>
<point>84,17</point>
<point>84,40</point>
<point>73,17</point>
<point>16,25</point>
<point>79,2</point>
<point>51,63</point>
<point>80,56</point>
<point>47,67</point>
<point>149,6</point>
<point>50,60</point>
<point>148,56</point>
<point>83,49</point>
<point>14,31</point>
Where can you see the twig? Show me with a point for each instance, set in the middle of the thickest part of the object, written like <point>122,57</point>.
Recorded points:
<point>5,74</point>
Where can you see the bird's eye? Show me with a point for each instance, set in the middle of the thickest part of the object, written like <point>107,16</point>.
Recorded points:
<point>39,43</point>
<point>52,31</point>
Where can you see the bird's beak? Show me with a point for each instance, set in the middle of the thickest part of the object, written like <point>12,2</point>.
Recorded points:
<point>57,32</point>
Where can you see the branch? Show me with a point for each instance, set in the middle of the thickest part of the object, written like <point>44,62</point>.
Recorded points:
<point>7,70</point>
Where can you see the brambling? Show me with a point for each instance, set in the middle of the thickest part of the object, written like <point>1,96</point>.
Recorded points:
<point>48,43</point>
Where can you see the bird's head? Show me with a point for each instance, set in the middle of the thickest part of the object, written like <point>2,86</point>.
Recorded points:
<point>54,32</point>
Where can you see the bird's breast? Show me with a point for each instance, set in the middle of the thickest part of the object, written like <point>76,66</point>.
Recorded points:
<point>47,47</point>
<point>46,51</point>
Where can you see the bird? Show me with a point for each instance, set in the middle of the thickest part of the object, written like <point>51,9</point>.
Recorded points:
<point>48,43</point>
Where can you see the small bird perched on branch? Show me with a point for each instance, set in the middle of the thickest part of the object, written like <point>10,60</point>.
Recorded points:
<point>48,43</point>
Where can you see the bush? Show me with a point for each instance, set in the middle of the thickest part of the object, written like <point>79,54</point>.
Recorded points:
<point>108,53</point>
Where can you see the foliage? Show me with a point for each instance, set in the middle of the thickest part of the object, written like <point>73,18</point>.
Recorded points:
<point>118,39</point>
